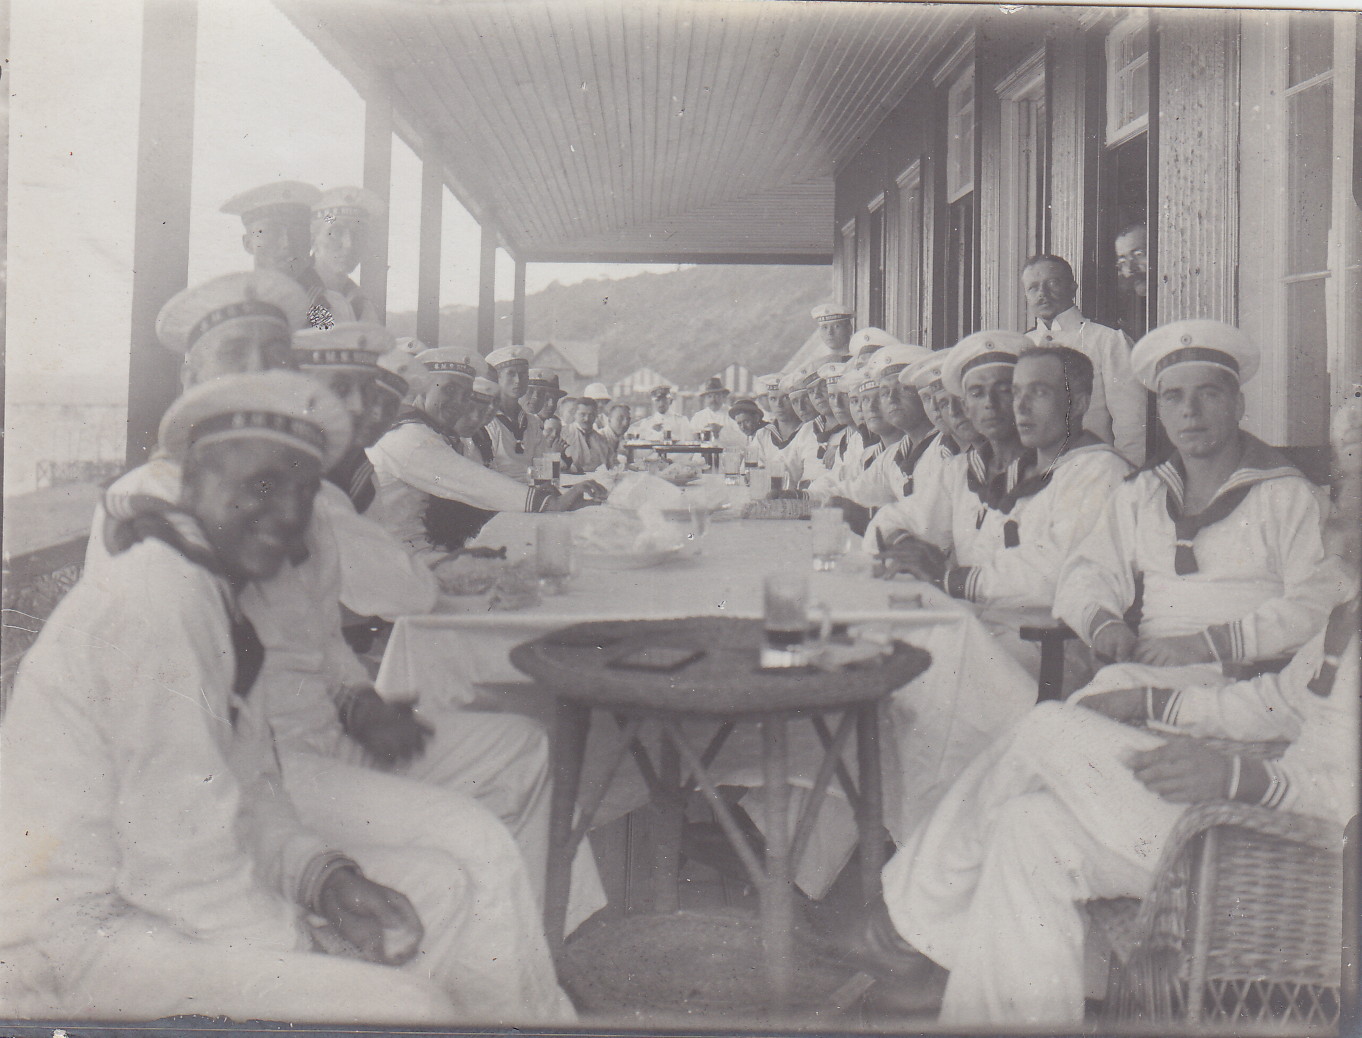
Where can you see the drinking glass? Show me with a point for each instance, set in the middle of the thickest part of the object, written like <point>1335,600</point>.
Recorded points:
<point>732,461</point>
<point>699,522</point>
<point>553,553</point>
<point>759,479</point>
<point>829,537</point>
<point>785,619</point>
<point>544,474</point>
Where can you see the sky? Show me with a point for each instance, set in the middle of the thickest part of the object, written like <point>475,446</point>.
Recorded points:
<point>267,106</point>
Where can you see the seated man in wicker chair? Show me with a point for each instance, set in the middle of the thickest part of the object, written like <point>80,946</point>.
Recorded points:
<point>1078,800</point>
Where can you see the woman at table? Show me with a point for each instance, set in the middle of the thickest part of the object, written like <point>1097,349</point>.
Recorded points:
<point>435,487</point>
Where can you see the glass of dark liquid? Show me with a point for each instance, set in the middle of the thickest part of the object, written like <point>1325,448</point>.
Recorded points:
<point>785,619</point>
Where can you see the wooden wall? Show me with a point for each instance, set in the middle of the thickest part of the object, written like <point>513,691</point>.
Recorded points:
<point>1198,192</point>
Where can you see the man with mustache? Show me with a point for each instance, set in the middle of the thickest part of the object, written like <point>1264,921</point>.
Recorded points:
<point>1116,413</point>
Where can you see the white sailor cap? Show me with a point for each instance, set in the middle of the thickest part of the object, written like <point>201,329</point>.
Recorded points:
<point>485,389</point>
<point>449,360</point>
<point>926,373</point>
<point>410,345</point>
<point>350,344</point>
<point>545,379</point>
<point>1194,342</point>
<point>825,313</point>
<point>357,203</point>
<point>831,373</point>
<point>866,340</point>
<point>283,406</point>
<point>891,359</point>
<point>792,380</point>
<point>499,358</point>
<point>194,311</point>
<point>285,199</point>
<point>401,373</point>
<point>769,383</point>
<point>980,350</point>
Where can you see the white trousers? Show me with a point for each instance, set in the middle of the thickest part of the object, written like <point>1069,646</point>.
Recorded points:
<point>477,768</point>
<point>481,962</point>
<point>991,887</point>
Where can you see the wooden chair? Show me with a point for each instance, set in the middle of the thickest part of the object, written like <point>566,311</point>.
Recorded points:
<point>1244,922</point>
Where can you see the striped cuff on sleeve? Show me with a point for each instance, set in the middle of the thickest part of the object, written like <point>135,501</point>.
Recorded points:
<point>1227,641</point>
<point>537,498</point>
<point>1094,619</point>
<point>1278,784</point>
<point>314,876</point>
<point>963,582</point>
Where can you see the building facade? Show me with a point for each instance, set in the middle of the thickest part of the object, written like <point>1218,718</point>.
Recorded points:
<point>1229,135</point>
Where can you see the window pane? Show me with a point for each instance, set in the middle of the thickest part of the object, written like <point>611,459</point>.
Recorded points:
<point>1311,46</point>
<point>1309,181</point>
<point>1307,343</point>
<point>910,264</point>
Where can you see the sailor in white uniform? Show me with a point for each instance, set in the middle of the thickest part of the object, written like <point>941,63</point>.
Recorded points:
<point>152,864</point>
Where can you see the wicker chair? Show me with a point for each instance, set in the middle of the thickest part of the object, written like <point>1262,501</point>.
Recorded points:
<point>1244,922</point>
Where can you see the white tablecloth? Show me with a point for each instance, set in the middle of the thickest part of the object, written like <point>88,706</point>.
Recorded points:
<point>938,722</point>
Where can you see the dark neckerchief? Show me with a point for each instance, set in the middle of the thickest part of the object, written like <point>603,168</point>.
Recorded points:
<point>1258,464</point>
<point>778,440</point>
<point>516,429</point>
<point>823,434</point>
<point>1341,627</point>
<point>908,455</point>
<point>179,531</point>
<point>354,474</point>
<point>482,440</point>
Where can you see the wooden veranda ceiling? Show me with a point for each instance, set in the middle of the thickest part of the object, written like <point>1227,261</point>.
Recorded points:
<point>638,130</point>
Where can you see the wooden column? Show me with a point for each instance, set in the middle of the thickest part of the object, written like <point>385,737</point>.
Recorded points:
<point>165,161</point>
<point>378,167</point>
<point>432,224</point>
<point>518,305</point>
<point>487,295</point>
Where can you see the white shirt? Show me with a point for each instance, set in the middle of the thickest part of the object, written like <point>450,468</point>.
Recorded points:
<point>729,435</point>
<point>413,462</point>
<point>126,786</point>
<point>1261,589</point>
<point>506,459</point>
<point>656,428</point>
<point>1117,411</point>
<point>1048,524</point>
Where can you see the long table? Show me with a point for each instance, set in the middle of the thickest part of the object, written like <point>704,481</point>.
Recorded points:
<point>936,724</point>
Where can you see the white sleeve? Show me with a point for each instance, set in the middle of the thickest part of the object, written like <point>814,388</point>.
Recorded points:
<point>379,576</point>
<point>1097,582</point>
<point>925,514</point>
<point>1027,574</point>
<point>1126,398</point>
<point>421,460</point>
<point>1281,624</point>
<point>182,814</point>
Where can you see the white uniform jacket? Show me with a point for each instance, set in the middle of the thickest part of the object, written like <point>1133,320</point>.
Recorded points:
<point>656,428</point>
<point>128,788</point>
<point>1257,585</point>
<point>1011,558</point>
<point>413,463</point>
<point>1117,412</point>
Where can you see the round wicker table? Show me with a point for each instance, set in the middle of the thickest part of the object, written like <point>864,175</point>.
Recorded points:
<point>723,684</point>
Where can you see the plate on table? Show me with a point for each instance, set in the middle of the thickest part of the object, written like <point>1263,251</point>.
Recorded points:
<point>628,560</point>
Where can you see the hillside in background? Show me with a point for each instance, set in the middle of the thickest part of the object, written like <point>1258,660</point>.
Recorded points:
<point>687,324</point>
